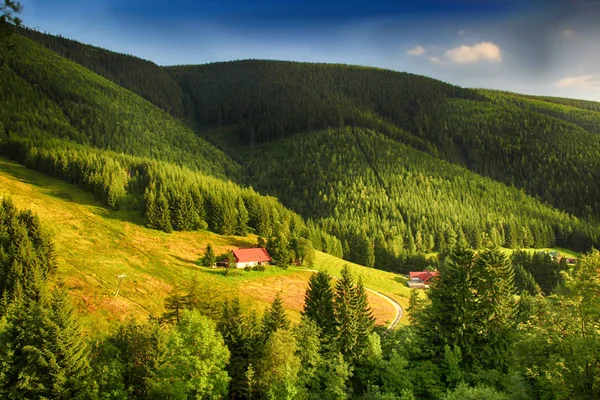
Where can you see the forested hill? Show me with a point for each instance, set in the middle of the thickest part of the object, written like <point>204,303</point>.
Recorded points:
<point>550,147</point>
<point>390,163</point>
<point>140,76</point>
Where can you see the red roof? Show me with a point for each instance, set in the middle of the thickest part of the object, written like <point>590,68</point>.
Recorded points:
<point>251,255</point>
<point>424,276</point>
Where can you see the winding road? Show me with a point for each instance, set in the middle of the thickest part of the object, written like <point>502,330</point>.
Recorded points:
<point>393,302</point>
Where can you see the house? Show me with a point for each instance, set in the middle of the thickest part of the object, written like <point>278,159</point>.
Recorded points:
<point>251,257</point>
<point>421,279</point>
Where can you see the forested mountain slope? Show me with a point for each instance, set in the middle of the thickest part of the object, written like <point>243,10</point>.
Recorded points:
<point>61,119</point>
<point>385,199</point>
<point>46,96</point>
<point>143,77</point>
<point>365,153</point>
<point>547,146</point>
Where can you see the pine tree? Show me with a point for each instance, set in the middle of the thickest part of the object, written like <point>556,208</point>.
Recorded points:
<point>151,211</point>
<point>209,259</point>
<point>365,318</point>
<point>242,218</point>
<point>43,354</point>
<point>163,213</point>
<point>345,314</point>
<point>318,303</point>
<point>241,337</point>
<point>275,318</point>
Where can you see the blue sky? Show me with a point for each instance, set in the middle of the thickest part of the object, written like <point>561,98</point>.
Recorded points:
<point>549,47</point>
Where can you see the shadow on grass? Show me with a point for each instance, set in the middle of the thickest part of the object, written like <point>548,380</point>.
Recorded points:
<point>400,280</point>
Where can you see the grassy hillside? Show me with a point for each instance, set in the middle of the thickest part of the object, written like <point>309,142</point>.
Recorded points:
<point>94,245</point>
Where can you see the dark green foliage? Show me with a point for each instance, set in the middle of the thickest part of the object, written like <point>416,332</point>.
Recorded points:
<point>318,303</point>
<point>209,258</point>
<point>353,317</point>
<point>25,250</point>
<point>545,270</point>
<point>382,202</point>
<point>472,309</point>
<point>43,352</point>
<point>141,349</point>
<point>243,339</point>
<point>143,77</point>
<point>275,318</point>
<point>525,282</point>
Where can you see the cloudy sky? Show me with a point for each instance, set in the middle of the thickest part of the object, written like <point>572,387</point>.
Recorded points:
<point>547,47</point>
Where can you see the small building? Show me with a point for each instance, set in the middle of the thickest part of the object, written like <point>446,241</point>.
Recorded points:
<point>251,257</point>
<point>420,279</point>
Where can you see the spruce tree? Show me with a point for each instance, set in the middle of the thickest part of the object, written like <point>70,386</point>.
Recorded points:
<point>42,351</point>
<point>241,337</point>
<point>208,259</point>
<point>151,211</point>
<point>241,228</point>
<point>275,318</point>
<point>345,314</point>
<point>365,318</point>
<point>318,303</point>
<point>163,213</point>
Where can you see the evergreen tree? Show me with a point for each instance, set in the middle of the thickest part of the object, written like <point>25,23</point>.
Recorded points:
<point>345,314</point>
<point>163,213</point>
<point>275,318</point>
<point>209,258</point>
<point>43,354</point>
<point>365,318</point>
<point>472,307</point>
<point>319,303</point>
<point>242,218</point>
<point>242,337</point>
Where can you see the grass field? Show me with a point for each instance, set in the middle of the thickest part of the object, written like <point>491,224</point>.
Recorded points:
<point>94,245</point>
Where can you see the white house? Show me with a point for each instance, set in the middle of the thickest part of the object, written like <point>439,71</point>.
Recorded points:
<point>251,257</point>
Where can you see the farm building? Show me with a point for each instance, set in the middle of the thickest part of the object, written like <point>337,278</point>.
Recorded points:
<point>421,279</point>
<point>251,257</point>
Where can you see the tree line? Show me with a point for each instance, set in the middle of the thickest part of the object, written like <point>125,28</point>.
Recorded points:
<point>477,334</point>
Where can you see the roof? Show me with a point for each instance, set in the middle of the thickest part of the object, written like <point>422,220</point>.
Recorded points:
<point>251,255</point>
<point>424,276</point>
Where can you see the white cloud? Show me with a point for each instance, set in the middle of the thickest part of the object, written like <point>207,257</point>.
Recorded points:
<point>461,32</point>
<point>568,33</point>
<point>484,51</point>
<point>435,60</point>
<point>416,51</point>
<point>584,82</point>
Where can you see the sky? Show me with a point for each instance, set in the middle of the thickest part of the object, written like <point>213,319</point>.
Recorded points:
<point>543,47</point>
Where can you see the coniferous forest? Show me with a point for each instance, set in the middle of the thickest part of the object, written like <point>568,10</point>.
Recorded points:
<point>389,170</point>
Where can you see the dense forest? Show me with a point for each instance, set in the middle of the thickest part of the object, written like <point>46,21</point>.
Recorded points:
<point>383,167</point>
<point>65,121</point>
<point>467,340</point>
<point>385,200</point>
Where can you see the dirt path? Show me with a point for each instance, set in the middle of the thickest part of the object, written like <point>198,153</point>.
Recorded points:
<point>393,302</point>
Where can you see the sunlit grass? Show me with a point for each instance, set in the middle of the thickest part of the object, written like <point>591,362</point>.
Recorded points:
<point>95,245</point>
